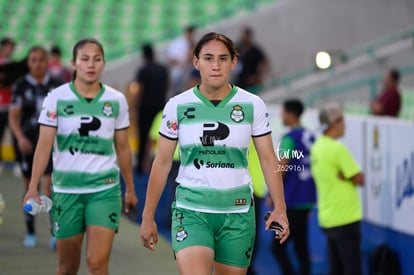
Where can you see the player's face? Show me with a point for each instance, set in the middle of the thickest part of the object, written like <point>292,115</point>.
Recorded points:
<point>7,50</point>
<point>37,63</point>
<point>89,63</point>
<point>215,64</point>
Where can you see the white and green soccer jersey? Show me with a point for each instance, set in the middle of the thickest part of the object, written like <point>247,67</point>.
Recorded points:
<point>84,157</point>
<point>214,142</point>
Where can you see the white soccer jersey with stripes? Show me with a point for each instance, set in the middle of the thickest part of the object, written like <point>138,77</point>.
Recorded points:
<point>84,157</point>
<point>214,142</point>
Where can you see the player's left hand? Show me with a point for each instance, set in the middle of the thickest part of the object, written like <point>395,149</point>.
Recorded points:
<point>281,218</point>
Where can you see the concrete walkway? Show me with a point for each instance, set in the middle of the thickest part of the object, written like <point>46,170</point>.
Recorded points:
<point>128,256</point>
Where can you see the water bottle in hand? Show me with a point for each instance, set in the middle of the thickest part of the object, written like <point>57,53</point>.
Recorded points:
<point>32,207</point>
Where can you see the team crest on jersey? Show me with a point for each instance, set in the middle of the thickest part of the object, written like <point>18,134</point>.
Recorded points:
<point>107,109</point>
<point>28,94</point>
<point>181,234</point>
<point>237,114</point>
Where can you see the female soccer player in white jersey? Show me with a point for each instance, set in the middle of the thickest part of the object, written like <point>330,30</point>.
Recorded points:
<point>213,223</point>
<point>86,124</point>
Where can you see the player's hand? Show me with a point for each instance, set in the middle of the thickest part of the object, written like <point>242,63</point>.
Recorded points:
<point>25,145</point>
<point>279,217</point>
<point>130,200</point>
<point>341,176</point>
<point>149,234</point>
<point>32,194</point>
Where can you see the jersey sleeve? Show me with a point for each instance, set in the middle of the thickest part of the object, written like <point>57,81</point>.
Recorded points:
<point>347,164</point>
<point>122,121</point>
<point>261,125</point>
<point>169,121</point>
<point>48,114</point>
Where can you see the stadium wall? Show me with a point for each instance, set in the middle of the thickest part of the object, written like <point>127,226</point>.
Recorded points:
<point>384,149</point>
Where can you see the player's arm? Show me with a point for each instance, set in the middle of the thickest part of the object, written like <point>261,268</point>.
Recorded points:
<point>268,161</point>
<point>123,152</point>
<point>24,144</point>
<point>40,160</point>
<point>358,179</point>
<point>377,108</point>
<point>348,167</point>
<point>156,184</point>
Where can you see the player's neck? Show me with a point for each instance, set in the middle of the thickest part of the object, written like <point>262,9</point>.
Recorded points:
<point>87,90</point>
<point>39,79</point>
<point>212,93</point>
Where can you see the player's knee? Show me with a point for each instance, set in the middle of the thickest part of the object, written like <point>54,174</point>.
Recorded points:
<point>96,265</point>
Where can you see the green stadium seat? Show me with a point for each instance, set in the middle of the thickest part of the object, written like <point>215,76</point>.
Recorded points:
<point>120,25</point>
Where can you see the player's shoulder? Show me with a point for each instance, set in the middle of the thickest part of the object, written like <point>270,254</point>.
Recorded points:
<point>242,94</point>
<point>60,89</point>
<point>112,93</point>
<point>21,84</point>
<point>111,90</point>
<point>184,97</point>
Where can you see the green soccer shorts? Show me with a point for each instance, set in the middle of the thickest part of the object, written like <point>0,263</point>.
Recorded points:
<point>73,213</point>
<point>231,235</point>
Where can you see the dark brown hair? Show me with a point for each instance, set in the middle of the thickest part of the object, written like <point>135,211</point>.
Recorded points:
<point>80,45</point>
<point>37,48</point>
<point>217,37</point>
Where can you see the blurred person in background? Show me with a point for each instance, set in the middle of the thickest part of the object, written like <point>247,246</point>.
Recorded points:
<point>252,64</point>
<point>337,176</point>
<point>179,54</point>
<point>7,46</point>
<point>299,187</point>
<point>56,69</point>
<point>26,104</point>
<point>388,103</point>
<point>150,97</point>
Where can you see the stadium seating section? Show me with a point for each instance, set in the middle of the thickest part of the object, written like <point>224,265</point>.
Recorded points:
<point>121,25</point>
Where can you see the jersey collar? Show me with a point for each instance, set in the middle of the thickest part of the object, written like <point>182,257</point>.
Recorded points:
<point>82,99</point>
<point>31,80</point>
<point>209,103</point>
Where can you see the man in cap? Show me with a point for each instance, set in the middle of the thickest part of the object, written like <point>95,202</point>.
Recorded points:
<point>337,175</point>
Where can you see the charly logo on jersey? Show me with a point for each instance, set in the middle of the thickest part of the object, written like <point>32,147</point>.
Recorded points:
<point>68,109</point>
<point>237,114</point>
<point>189,113</point>
<point>213,132</point>
<point>107,109</point>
